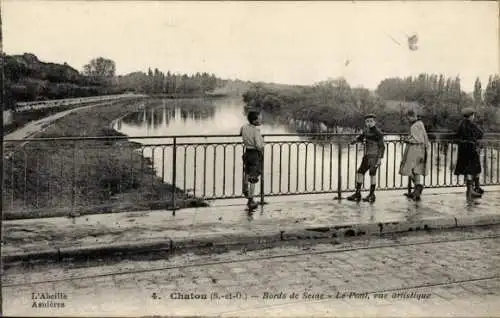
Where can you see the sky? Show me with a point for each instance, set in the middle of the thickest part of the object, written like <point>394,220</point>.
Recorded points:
<point>283,42</point>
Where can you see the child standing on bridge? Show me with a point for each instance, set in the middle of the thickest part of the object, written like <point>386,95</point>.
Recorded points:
<point>374,153</point>
<point>468,159</point>
<point>252,157</point>
<point>414,162</point>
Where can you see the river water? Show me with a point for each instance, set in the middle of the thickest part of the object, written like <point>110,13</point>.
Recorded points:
<point>211,167</point>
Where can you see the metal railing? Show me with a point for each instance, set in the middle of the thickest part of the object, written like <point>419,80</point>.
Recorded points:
<point>112,173</point>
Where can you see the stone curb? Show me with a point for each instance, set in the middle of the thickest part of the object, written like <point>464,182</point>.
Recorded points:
<point>262,238</point>
<point>40,254</point>
<point>478,220</point>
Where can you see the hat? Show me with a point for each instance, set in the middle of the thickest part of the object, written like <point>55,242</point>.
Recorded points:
<point>467,112</point>
<point>411,113</point>
<point>253,116</point>
<point>370,116</point>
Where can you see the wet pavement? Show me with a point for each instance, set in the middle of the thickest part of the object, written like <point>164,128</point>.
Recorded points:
<point>230,218</point>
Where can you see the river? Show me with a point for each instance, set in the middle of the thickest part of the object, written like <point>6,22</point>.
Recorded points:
<point>211,167</point>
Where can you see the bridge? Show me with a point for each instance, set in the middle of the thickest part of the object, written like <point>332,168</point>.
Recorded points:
<point>181,225</point>
<point>174,192</point>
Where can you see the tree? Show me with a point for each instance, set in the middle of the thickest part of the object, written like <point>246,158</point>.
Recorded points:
<point>100,69</point>
<point>477,92</point>
<point>492,92</point>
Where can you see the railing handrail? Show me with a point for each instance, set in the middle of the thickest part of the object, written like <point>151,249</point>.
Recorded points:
<point>90,138</point>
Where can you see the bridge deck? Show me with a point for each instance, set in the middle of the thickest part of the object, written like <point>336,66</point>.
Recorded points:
<point>229,220</point>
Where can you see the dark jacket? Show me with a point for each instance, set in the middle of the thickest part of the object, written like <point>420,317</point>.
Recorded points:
<point>374,142</point>
<point>468,159</point>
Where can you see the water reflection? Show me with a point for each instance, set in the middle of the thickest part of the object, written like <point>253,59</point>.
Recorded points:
<point>223,116</point>
<point>159,118</point>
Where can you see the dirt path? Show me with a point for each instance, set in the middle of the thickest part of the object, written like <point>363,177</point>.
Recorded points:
<point>37,126</point>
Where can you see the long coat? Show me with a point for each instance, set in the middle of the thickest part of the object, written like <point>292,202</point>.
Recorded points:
<point>468,159</point>
<point>415,159</point>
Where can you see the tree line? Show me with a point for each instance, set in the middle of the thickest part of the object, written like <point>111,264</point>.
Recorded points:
<point>332,102</point>
<point>158,82</point>
<point>29,79</point>
<point>335,103</point>
<point>429,89</point>
<point>442,99</point>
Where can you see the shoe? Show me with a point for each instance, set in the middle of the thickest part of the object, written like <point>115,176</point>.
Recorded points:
<point>355,197</point>
<point>418,192</point>
<point>252,204</point>
<point>478,190</point>
<point>476,186</point>
<point>474,194</point>
<point>410,195</point>
<point>470,193</point>
<point>369,198</point>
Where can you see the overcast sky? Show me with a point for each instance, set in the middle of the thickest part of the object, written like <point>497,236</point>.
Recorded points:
<point>285,42</point>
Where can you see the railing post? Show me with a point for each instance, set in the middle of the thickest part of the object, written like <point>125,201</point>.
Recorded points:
<point>174,174</point>
<point>409,186</point>
<point>339,169</point>
<point>2,166</point>
<point>262,179</point>
<point>484,152</point>
<point>73,181</point>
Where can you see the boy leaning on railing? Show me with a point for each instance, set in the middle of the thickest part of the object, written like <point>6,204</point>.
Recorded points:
<point>373,138</point>
<point>252,156</point>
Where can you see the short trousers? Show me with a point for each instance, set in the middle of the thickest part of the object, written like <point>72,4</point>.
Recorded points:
<point>252,164</point>
<point>369,163</point>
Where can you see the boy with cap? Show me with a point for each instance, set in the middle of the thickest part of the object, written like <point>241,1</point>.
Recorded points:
<point>468,159</point>
<point>414,161</point>
<point>252,156</point>
<point>374,152</point>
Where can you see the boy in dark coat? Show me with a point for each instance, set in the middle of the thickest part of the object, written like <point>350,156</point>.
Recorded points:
<point>468,159</point>
<point>252,157</point>
<point>374,152</point>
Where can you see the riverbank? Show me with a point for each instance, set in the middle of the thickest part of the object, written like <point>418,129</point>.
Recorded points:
<point>329,105</point>
<point>47,178</point>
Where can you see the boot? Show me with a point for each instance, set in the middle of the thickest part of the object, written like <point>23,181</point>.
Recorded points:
<point>470,194</point>
<point>477,188</point>
<point>410,195</point>
<point>418,192</point>
<point>370,198</point>
<point>252,205</point>
<point>355,197</point>
<point>245,190</point>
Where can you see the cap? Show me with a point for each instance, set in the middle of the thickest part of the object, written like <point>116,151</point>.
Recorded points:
<point>252,116</point>
<point>411,113</point>
<point>468,111</point>
<point>370,116</point>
